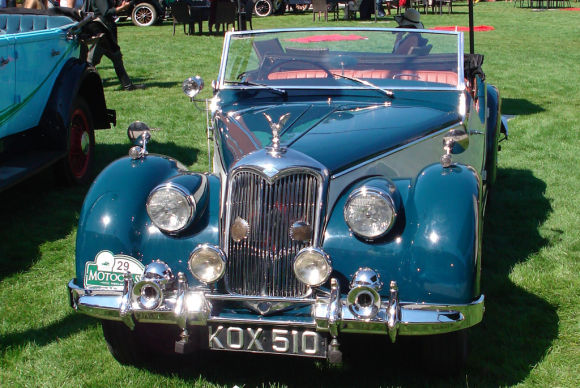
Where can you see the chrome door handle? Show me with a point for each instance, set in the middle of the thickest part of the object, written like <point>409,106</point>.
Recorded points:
<point>54,53</point>
<point>4,61</point>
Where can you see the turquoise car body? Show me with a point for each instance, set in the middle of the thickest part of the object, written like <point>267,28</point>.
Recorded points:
<point>355,137</point>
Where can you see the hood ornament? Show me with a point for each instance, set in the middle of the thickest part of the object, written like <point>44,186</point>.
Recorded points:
<point>276,128</point>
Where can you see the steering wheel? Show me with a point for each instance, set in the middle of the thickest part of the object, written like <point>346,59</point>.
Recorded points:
<point>279,64</point>
<point>410,75</point>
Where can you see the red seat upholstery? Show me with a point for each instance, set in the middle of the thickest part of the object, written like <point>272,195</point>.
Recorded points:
<point>319,73</point>
<point>442,77</point>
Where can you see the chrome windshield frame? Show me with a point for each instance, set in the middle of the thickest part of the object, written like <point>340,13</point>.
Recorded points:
<point>221,85</point>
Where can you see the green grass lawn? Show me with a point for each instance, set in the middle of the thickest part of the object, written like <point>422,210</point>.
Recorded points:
<point>530,334</point>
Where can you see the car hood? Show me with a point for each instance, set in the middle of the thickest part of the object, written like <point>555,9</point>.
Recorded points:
<point>337,134</point>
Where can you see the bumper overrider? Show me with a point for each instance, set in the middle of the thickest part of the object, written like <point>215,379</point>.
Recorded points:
<point>361,311</point>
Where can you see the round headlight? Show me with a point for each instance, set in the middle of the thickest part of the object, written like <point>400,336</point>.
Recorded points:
<point>207,263</point>
<point>369,212</point>
<point>170,208</point>
<point>312,266</point>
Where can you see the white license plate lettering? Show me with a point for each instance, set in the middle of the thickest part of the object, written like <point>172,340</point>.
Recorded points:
<point>267,340</point>
<point>255,343</point>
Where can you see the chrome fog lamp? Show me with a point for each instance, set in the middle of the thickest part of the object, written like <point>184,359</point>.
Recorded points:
<point>370,212</point>
<point>149,291</point>
<point>171,207</point>
<point>207,263</point>
<point>312,266</point>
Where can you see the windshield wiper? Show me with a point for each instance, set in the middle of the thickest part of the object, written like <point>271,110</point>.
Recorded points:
<point>386,92</point>
<point>250,83</point>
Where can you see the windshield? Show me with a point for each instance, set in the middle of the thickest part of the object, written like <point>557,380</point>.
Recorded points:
<point>338,58</point>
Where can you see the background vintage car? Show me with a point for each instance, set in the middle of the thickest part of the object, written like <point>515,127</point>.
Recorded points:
<point>348,196</point>
<point>145,13</point>
<point>51,99</point>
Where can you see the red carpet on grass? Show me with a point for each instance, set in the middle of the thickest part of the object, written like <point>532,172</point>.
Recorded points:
<point>570,9</point>
<point>462,28</point>
<point>327,38</point>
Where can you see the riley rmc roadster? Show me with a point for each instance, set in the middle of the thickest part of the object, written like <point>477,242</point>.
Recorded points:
<point>350,175</point>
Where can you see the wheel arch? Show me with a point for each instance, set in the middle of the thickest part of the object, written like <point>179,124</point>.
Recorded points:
<point>77,78</point>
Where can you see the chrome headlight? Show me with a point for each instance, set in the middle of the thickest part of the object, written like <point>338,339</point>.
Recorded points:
<point>370,212</point>
<point>171,208</point>
<point>207,263</point>
<point>312,266</point>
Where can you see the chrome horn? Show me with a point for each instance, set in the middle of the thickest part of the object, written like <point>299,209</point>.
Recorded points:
<point>363,299</point>
<point>156,279</point>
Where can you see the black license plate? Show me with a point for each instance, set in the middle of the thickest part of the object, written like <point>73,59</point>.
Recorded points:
<point>262,339</point>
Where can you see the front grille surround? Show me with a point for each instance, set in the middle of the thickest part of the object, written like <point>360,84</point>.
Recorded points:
<point>261,264</point>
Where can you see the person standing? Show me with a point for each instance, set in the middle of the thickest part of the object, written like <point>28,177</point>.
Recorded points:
<point>106,13</point>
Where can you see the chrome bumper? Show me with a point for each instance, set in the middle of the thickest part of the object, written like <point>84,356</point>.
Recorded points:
<point>329,314</point>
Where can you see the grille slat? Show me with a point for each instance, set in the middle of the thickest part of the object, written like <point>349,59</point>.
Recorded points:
<point>261,264</point>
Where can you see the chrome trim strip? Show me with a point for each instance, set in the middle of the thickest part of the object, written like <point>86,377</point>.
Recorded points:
<point>271,299</point>
<point>394,150</point>
<point>257,321</point>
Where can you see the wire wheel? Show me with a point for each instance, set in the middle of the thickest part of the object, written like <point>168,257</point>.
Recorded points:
<point>263,8</point>
<point>144,15</point>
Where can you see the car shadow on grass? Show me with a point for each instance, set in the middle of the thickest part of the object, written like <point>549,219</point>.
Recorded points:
<point>56,331</point>
<point>114,82</point>
<point>39,210</point>
<point>519,107</point>
<point>516,333</point>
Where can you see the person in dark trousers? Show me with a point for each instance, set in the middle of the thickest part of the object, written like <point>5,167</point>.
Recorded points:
<point>106,13</point>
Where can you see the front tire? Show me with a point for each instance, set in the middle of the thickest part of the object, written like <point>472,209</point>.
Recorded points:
<point>144,15</point>
<point>122,343</point>
<point>146,342</point>
<point>445,354</point>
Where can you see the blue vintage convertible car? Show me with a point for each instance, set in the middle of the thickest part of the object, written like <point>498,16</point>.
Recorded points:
<point>351,169</point>
<point>51,99</point>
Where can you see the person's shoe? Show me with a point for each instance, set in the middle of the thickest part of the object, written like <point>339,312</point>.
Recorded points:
<point>133,86</point>
<point>381,14</point>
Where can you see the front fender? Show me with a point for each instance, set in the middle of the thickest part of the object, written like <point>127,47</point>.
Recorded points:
<point>114,217</point>
<point>77,78</point>
<point>433,249</point>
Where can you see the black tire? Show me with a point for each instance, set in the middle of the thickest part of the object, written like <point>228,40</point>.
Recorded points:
<point>445,354</point>
<point>77,167</point>
<point>145,343</point>
<point>122,343</point>
<point>263,8</point>
<point>493,133</point>
<point>144,15</point>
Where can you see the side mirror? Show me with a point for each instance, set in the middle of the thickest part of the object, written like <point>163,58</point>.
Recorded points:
<point>192,86</point>
<point>139,133</point>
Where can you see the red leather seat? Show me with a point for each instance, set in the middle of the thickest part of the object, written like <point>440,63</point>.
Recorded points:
<point>442,77</point>
<point>319,73</point>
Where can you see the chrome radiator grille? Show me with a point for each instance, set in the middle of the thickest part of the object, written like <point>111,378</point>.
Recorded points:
<point>261,264</point>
